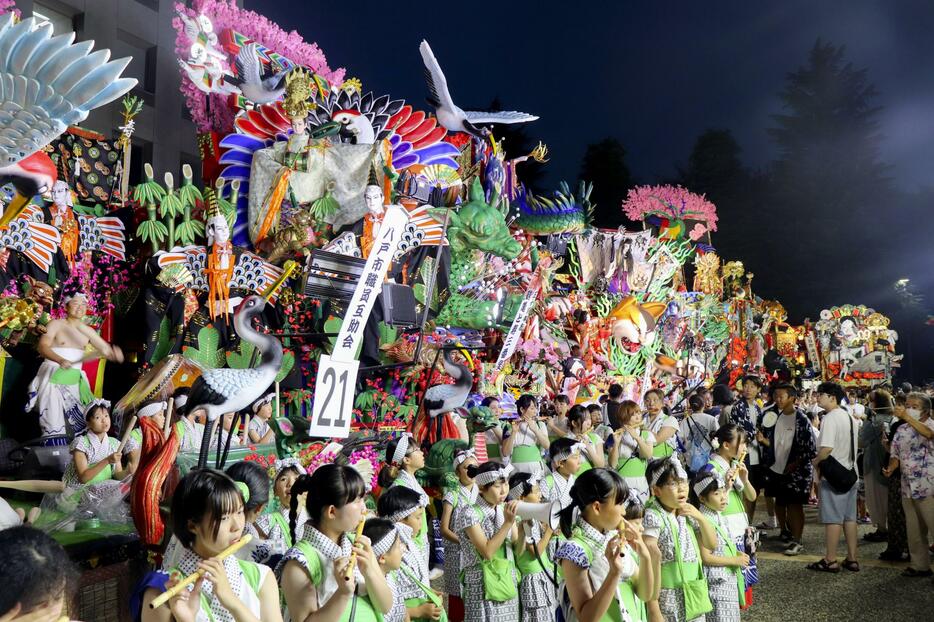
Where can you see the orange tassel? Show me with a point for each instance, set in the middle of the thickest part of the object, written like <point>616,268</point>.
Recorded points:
<point>274,203</point>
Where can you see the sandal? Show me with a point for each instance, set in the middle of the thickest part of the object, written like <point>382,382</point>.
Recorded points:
<point>822,565</point>
<point>851,565</point>
<point>912,573</point>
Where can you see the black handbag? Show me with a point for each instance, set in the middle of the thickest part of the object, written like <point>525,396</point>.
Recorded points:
<point>839,478</point>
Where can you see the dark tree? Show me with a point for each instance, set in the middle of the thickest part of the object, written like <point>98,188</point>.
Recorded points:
<point>826,187</point>
<point>604,165</point>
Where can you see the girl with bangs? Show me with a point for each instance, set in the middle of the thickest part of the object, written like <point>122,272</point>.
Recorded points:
<point>313,573</point>
<point>208,517</point>
<point>489,530</point>
<point>597,560</point>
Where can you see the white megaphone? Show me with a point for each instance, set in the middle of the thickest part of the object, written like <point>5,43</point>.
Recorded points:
<point>546,513</point>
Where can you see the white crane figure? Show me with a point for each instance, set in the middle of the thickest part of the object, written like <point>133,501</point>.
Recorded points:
<point>46,84</point>
<point>450,116</point>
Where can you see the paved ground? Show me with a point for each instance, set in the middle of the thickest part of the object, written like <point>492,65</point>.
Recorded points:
<point>789,591</point>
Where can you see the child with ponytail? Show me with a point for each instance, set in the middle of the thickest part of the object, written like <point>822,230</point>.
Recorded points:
<point>723,565</point>
<point>595,560</point>
<point>489,529</point>
<point>402,506</point>
<point>682,591</point>
<point>314,572</point>
<point>727,461</point>
<point>536,587</point>
<point>455,501</point>
<point>403,458</point>
<point>274,526</point>
<point>207,517</point>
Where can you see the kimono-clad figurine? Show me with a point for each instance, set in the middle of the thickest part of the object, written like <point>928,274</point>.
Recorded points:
<point>221,263</point>
<point>63,219</point>
<point>373,197</point>
<point>294,157</point>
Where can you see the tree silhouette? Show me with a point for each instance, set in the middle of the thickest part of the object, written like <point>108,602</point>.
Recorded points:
<point>604,165</point>
<point>828,183</point>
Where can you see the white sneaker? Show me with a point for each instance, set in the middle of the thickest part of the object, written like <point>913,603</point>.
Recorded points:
<point>795,548</point>
<point>435,574</point>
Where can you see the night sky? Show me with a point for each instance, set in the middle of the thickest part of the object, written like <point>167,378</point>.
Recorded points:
<point>653,75</point>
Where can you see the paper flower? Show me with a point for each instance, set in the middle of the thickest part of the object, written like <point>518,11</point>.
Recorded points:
<point>672,202</point>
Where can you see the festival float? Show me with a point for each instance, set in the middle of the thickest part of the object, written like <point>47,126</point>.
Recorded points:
<point>375,265</point>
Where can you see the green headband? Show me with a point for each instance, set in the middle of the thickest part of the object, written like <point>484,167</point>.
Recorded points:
<point>244,490</point>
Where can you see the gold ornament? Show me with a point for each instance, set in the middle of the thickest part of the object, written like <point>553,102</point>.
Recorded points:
<point>299,89</point>
<point>707,274</point>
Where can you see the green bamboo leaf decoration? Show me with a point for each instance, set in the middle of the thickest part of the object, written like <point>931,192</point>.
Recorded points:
<point>189,194</point>
<point>325,207</point>
<point>169,207</point>
<point>149,191</point>
<point>151,230</point>
<point>208,353</point>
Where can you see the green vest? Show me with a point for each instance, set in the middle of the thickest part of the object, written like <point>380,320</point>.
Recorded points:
<point>631,602</point>
<point>613,613</point>
<point>250,574</point>
<point>365,611</point>
<point>430,595</point>
<point>672,576</point>
<point>634,465</point>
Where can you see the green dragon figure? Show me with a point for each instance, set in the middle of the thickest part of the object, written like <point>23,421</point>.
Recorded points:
<point>476,228</point>
<point>438,471</point>
<point>562,213</point>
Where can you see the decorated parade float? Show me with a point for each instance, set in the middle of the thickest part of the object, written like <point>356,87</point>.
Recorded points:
<point>373,264</point>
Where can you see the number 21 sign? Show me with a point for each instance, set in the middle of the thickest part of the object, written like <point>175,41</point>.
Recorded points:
<point>334,393</point>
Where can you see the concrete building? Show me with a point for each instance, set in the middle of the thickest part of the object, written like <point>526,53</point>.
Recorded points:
<point>142,29</point>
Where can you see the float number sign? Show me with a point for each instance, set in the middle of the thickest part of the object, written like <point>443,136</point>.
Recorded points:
<point>334,394</point>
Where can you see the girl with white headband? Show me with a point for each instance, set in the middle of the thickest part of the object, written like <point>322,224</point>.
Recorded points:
<point>723,565</point>
<point>402,507</point>
<point>682,591</point>
<point>456,500</point>
<point>274,525</point>
<point>565,457</point>
<point>489,528</point>
<point>95,461</point>
<point>259,430</point>
<point>387,548</point>
<point>403,458</point>
<point>536,590</point>
<point>313,573</point>
<point>594,560</point>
